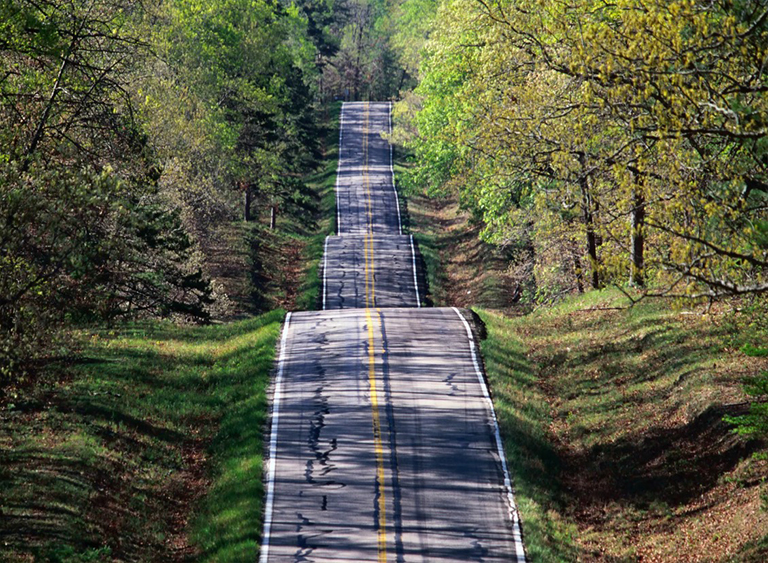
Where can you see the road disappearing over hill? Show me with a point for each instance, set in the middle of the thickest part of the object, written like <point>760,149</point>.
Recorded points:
<point>383,445</point>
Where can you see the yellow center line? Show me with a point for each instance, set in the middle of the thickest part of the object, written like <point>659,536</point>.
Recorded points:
<point>370,301</point>
<point>382,503</point>
<point>370,281</point>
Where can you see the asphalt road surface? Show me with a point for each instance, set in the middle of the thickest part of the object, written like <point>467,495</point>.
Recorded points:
<point>371,271</point>
<point>366,199</point>
<point>384,445</point>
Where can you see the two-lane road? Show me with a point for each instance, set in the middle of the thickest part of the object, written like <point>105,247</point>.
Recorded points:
<point>384,445</point>
<point>371,271</point>
<point>370,263</point>
<point>366,198</point>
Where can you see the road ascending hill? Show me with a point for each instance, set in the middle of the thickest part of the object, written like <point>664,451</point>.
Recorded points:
<point>384,445</point>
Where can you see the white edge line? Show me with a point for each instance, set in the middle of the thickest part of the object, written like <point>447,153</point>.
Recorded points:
<point>415,278</point>
<point>517,535</point>
<point>338,169</point>
<point>277,397</point>
<point>392,171</point>
<point>325,270</point>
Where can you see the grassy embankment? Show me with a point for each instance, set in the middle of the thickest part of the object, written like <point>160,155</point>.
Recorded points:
<point>612,418</point>
<point>147,446</point>
<point>460,270</point>
<point>105,457</point>
<point>613,422</point>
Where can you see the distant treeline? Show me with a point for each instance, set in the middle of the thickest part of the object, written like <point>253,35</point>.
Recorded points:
<point>130,130</point>
<point>616,143</point>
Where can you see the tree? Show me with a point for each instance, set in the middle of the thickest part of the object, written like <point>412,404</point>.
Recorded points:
<point>249,64</point>
<point>83,230</point>
<point>642,116</point>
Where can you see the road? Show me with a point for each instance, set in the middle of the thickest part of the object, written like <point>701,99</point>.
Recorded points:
<point>384,444</point>
<point>366,199</point>
<point>371,271</point>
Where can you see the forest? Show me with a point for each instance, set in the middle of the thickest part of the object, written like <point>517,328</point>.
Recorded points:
<point>133,132</point>
<point>611,143</point>
<point>591,148</point>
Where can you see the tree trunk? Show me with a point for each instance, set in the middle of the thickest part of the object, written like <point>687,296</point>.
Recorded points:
<point>247,196</point>
<point>589,225</point>
<point>579,273</point>
<point>592,253</point>
<point>402,80</point>
<point>272,216</point>
<point>356,79</point>
<point>637,274</point>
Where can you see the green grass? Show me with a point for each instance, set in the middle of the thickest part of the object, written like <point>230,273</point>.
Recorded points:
<point>428,249</point>
<point>612,421</point>
<point>104,458</point>
<point>524,417</point>
<point>228,524</point>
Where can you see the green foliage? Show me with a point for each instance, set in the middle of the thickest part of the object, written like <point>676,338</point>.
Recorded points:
<point>413,21</point>
<point>84,233</point>
<point>323,182</point>
<point>754,351</point>
<point>755,423</point>
<point>243,70</point>
<point>622,139</point>
<point>524,417</point>
<point>128,134</point>
<point>377,50</point>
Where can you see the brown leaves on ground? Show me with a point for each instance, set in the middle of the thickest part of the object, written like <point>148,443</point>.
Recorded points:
<point>472,272</point>
<point>651,472</point>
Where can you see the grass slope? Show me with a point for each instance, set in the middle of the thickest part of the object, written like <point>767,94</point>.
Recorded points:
<point>613,427</point>
<point>105,458</point>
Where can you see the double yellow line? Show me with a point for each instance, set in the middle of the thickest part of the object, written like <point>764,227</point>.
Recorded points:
<point>370,281</point>
<point>370,301</point>
<point>377,441</point>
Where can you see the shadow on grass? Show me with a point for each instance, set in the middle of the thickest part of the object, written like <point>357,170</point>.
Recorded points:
<point>229,525</point>
<point>621,412</point>
<point>571,445</point>
<point>641,359</point>
<point>665,467</point>
<point>535,464</point>
<point>107,459</point>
